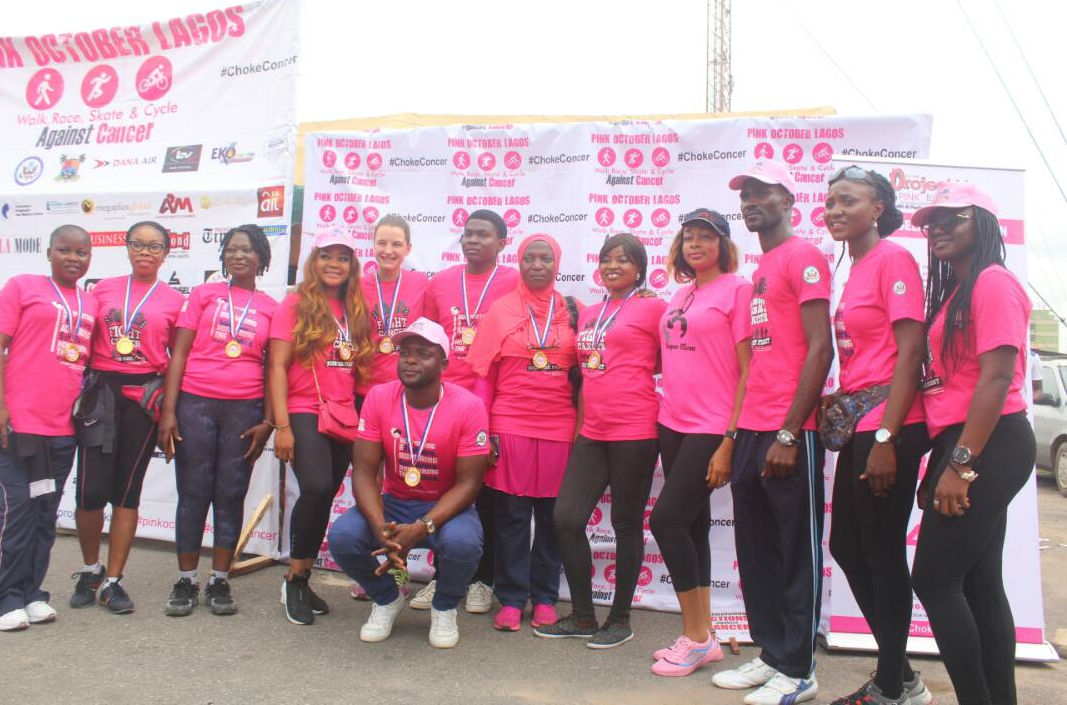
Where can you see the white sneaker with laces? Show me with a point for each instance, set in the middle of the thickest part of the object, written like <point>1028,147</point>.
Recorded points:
<point>444,633</point>
<point>479,598</point>
<point>783,689</point>
<point>14,621</point>
<point>747,675</point>
<point>423,599</point>
<point>379,625</point>
<point>40,612</point>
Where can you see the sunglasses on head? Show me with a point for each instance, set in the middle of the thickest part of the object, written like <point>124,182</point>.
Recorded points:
<point>853,173</point>
<point>946,221</point>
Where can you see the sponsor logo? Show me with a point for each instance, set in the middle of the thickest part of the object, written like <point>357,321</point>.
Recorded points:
<point>763,150</point>
<point>88,206</point>
<point>792,153</point>
<point>180,241</point>
<point>68,167</point>
<point>25,210</point>
<point>99,86</point>
<point>481,439</point>
<point>213,235</point>
<point>900,288</point>
<point>811,274</point>
<point>154,78</point>
<point>175,204</point>
<point>125,161</point>
<point>5,209</point>
<point>62,207</point>
<point>44,89</point>
<point>111,238</point>
<point>271,201</point>
<point>276,145</point>
<point>902,182</point>
<point>230,199</point>
<point>230,155</point>
<point>183,158</point>
<point>822,152</point>
<point>28,171</point>
<point>20,245</point>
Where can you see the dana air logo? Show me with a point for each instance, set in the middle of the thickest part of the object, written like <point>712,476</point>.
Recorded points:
<point>175,204</point>
<point>902,182</point>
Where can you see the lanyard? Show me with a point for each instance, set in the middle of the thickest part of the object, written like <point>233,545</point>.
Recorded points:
<point>381,301</point>
<point>478,306</point>
<point>542,336</point>
<point>342,327</point>
<point>416,455</point>
<point>600,330</point>
<point>244,314</point>
<point>127,319</point>
<point>71,326</point>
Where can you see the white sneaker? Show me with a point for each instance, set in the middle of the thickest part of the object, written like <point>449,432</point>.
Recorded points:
<point>379,625</point>
<point>918,694</point>
<point>479,598</point>
<point>14,621</point>
<point>40,612</point>
<point>747,675</point>
<point>444,634</point>
<point>423,599</point>
<point>783,689</point>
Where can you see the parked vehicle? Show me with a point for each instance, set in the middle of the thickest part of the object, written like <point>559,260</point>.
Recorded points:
<point>1050,420</point>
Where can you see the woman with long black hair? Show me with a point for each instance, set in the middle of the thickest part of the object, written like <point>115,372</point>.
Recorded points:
<point>977,320</point>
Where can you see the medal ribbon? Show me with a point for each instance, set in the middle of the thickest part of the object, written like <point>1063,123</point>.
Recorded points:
<point>478,306</point>
<point>416,455</point>
<point>73,330</point>
<point>381,301</point>
<point>599,331</point>
<point>244,314</point>
<point>127,319</point>
<point>342,327</point>
<point>542,336</point>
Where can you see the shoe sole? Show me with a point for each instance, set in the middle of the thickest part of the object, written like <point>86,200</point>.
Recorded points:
<point>445,645</point>
<point>179,611</point>
<point>561,636</point>
<point>923,697</point>
<point>507,627</point>
<point>22,626</point>
<point>90,601</point>
<point>420,605</point>
<point>47,620</point>
<point>679,674</point>
<point>117,610</point>
<point>739,686</point>
<point>612,645</point>
<point>223,611</point>
<point>790,697</point>
<point>477,609</point>
<point>293,620</point>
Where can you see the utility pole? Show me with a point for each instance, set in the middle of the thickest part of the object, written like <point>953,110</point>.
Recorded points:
<point>720,84</point>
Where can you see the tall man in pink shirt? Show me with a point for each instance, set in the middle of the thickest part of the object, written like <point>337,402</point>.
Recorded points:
<point>778,458</point>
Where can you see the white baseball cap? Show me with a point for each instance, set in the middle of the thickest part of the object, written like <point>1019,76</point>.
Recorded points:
<point>426,329</point>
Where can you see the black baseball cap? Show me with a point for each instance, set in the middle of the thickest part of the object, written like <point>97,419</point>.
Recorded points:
<point>706,216</point>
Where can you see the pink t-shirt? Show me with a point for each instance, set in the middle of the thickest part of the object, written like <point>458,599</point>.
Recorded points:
<point>458,431</point>
<point>883,287</point>
<point>209,371</point>
<point>1000,315</point>
<point>150,330</point>
<point>408,308</point>
<point>620,397</point>
<point>788,276</point>
<point>444,303</point>
<point>40,383</point>
<point>699,334</point>
<point>336,379</point>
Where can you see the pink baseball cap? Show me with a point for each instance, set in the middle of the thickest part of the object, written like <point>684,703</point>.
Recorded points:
<point>426,329</point>
<point>333,236</point>
<point>767,171</point>
<point>954,194</point>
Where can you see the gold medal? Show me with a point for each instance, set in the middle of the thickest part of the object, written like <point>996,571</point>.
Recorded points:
<point>345,352</point>
<point>124,346</point>
<point>386,346</point>
<point>71,354</point>
<point>594,360</point>
<point>467,336</point>
<point>412,476</point>
<point>540,360</point>
<point>233,349</point>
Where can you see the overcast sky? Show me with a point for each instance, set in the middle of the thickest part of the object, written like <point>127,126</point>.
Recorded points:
<point>640,57</point>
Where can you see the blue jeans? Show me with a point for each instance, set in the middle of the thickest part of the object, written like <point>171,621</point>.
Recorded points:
<point>28,525</point>
<point>457,544</point>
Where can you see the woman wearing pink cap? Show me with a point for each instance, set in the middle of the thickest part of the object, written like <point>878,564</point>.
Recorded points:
<point>524,351</point>
<point>704,335</point>
<point>877,415</point>
<point>320,348</point>
<point>215,417</point>
<point>984,450</point>
<point>116,414</point>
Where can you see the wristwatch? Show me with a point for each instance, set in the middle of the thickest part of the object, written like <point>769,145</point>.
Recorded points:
<point>786,438</point>
<point>731,434</point>
<point>883,435</point>
<point>428,523</point>
<point>962,455</point>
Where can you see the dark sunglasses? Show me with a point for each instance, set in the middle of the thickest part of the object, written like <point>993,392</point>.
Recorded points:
<point>853,173</point>
<point>945,222</point>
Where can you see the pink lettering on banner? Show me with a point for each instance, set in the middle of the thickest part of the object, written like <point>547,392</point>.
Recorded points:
<point>99,86</point>
<point>44,89</point>
<point>154,78</point>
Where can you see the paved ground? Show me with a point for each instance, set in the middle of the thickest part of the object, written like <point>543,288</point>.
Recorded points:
<point>89,656</point>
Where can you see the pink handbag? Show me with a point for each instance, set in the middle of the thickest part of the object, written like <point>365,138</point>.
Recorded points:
<point>337,421</point>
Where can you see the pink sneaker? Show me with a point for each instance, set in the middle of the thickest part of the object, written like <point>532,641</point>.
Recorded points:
<point>508,619</point>
<point>660,654</point>
<point>687,656</point>
<point>543,615</point>
<point>358,593</point>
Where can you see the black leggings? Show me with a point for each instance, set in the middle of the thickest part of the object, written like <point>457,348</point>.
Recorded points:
<point>957,572</point>
<point>117,477</point>
<point>625,466</point>
<point>868,539</point>
<point>320,464</point>
<point>681,518</point>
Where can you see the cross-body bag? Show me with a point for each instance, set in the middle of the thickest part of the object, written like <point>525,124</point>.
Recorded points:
<point>838,422</point>
<point>336,420</point>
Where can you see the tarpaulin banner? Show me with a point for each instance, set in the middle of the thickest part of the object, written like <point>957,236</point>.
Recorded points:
<point>187,121</point>
<point>581,182</point>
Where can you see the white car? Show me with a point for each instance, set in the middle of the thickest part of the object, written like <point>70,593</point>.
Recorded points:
<point>1050,420</point>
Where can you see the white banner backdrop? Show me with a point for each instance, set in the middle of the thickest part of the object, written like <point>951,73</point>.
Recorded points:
<point>581,182</point>
<point>187,121</point>
<point>915,184</point>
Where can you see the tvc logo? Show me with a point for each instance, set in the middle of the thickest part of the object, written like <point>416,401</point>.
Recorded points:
<point>176,204</point>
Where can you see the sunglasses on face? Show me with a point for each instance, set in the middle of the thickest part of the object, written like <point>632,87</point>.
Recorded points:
<point>153,247</point>
<point>945,222</point>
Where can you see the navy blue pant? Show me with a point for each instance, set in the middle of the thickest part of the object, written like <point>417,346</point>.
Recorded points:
<point>778,535</point>
<point>210,469</point>
<point>524,573</point>
<point>457,545</point>
<point>28,526</point>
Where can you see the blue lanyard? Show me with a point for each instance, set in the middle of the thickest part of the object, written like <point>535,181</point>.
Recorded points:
<point>542,336</point>
<point>381,301</point>
<point>416,455</point>
<point>478,306</point>
<point>600,330</point>
<point>127,319</point>
<point>244,314</point>
<point>71,326</point>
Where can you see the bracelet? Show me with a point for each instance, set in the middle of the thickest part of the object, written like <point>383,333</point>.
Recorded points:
<point>286,427</point>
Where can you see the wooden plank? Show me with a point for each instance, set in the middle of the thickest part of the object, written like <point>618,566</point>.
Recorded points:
<point>250,564</point>
<point>257,516</point>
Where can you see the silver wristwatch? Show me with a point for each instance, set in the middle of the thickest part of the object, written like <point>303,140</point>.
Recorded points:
<point>428,523</point>
<point>883,435</point>
<point>786,438</point>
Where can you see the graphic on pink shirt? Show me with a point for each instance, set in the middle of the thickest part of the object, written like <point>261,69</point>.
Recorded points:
<point>386,321</point>
<point>147,326</point>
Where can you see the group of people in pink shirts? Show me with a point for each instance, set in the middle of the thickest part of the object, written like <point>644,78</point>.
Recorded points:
<point>484,415</point>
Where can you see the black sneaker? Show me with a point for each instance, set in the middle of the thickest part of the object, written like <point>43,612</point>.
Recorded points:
<point>613,633</point>
<point>296,596</point>
<point>566,628</point>
<point>86,587</point>
<point>114,597</point>
<point>218,598</point>
<point>183,598</point>
<point>318,605</point>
